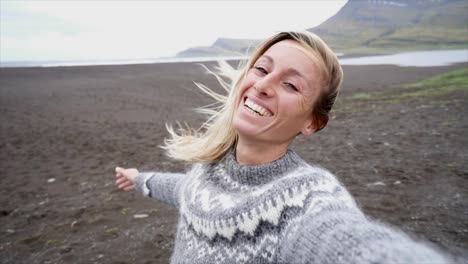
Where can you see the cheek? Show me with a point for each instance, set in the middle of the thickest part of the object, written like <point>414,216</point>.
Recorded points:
<point>243,87</point>
<point>247,83</point>
<point>306,105</point>
<point>294,107</point>
<point>308,101</point>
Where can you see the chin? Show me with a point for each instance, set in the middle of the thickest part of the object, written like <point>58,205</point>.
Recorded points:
<point>244,129</point>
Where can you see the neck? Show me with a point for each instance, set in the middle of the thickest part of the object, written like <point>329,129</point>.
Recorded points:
<point>249,153</point>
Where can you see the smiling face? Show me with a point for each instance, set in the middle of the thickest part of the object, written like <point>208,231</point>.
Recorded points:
<point>277,95</point>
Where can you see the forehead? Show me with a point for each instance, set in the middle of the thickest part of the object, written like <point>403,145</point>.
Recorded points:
<point>292,48</point>
<point>291,55</point>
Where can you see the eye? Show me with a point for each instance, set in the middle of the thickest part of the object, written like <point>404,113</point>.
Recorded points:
<point>291,86</point>
<point>261,69</point>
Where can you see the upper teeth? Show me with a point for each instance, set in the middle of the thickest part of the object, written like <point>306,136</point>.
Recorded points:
<point>257,108</point>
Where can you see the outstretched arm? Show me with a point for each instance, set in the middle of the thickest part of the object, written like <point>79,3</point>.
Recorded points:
<point>333,232</point>
<point>162,186</point>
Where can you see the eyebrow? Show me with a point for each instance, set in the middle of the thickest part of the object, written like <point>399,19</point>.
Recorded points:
<point>290,70</point>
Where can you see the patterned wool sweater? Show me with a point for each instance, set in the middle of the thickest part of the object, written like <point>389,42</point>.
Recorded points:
<point>286,211</point>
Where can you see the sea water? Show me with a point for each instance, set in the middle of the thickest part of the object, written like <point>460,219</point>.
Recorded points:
<point>416,58</point>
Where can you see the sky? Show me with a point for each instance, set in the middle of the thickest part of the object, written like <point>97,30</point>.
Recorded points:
<point>37,30</point>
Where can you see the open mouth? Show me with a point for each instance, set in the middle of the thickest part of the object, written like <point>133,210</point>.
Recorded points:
<point>255,108</point>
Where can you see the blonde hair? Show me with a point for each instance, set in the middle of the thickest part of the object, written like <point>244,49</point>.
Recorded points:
<point>217,135</point>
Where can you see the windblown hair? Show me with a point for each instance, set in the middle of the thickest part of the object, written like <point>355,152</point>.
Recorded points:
<point>217,135</point>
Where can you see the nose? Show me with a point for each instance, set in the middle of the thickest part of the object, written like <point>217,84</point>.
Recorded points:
<point>265,87</point>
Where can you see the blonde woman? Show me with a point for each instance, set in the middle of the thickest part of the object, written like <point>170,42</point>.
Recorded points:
<point>250,199</point>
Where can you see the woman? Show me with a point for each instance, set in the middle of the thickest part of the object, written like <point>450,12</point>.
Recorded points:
<point>248,198</point>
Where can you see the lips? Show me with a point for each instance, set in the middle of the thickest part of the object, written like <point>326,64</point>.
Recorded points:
<point>255,107</point>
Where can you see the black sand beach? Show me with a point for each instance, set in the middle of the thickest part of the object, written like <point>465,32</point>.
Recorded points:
<point>64,129</point>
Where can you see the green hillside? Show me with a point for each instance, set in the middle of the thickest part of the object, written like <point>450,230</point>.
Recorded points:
<point>383,26</point>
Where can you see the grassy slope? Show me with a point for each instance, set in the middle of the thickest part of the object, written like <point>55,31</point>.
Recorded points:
<point>362,28</point>
<point>430,90</point>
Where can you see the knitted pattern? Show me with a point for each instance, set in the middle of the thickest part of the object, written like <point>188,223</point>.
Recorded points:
<point>285,211</point>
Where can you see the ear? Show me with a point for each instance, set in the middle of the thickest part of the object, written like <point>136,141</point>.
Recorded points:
<point>312,125</point>
<point>309,127</point>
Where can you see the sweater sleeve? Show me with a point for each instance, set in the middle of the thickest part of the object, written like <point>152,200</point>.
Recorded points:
<point>162,186</point>
<point>332,231</point>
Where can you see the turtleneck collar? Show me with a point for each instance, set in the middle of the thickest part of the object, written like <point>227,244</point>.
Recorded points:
<point>260,174</point>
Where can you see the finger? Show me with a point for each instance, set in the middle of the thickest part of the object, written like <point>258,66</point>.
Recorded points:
<point>125,184</point>
<point>120,180</point>
<point>118,171</point>
<point>121,187</point>
<point>128,188</point>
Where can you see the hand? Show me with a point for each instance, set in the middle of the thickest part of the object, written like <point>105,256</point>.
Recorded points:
<point>125,178</point>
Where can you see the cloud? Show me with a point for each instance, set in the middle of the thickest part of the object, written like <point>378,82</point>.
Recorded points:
<point>86,30</point>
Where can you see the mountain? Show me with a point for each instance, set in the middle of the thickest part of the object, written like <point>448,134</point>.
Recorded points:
<point>222,47</point>
<point>376,26</point>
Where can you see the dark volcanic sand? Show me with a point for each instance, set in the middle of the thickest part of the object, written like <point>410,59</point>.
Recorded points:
<point>75,124</point>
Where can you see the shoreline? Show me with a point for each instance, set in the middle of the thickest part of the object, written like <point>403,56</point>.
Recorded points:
<point>344,59</point>
<point>116,62</point>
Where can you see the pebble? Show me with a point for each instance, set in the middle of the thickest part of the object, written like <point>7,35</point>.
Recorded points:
<point>378,183</point>
<point>137,216</point>
<point>397,182</point>
<point>51,180</point>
